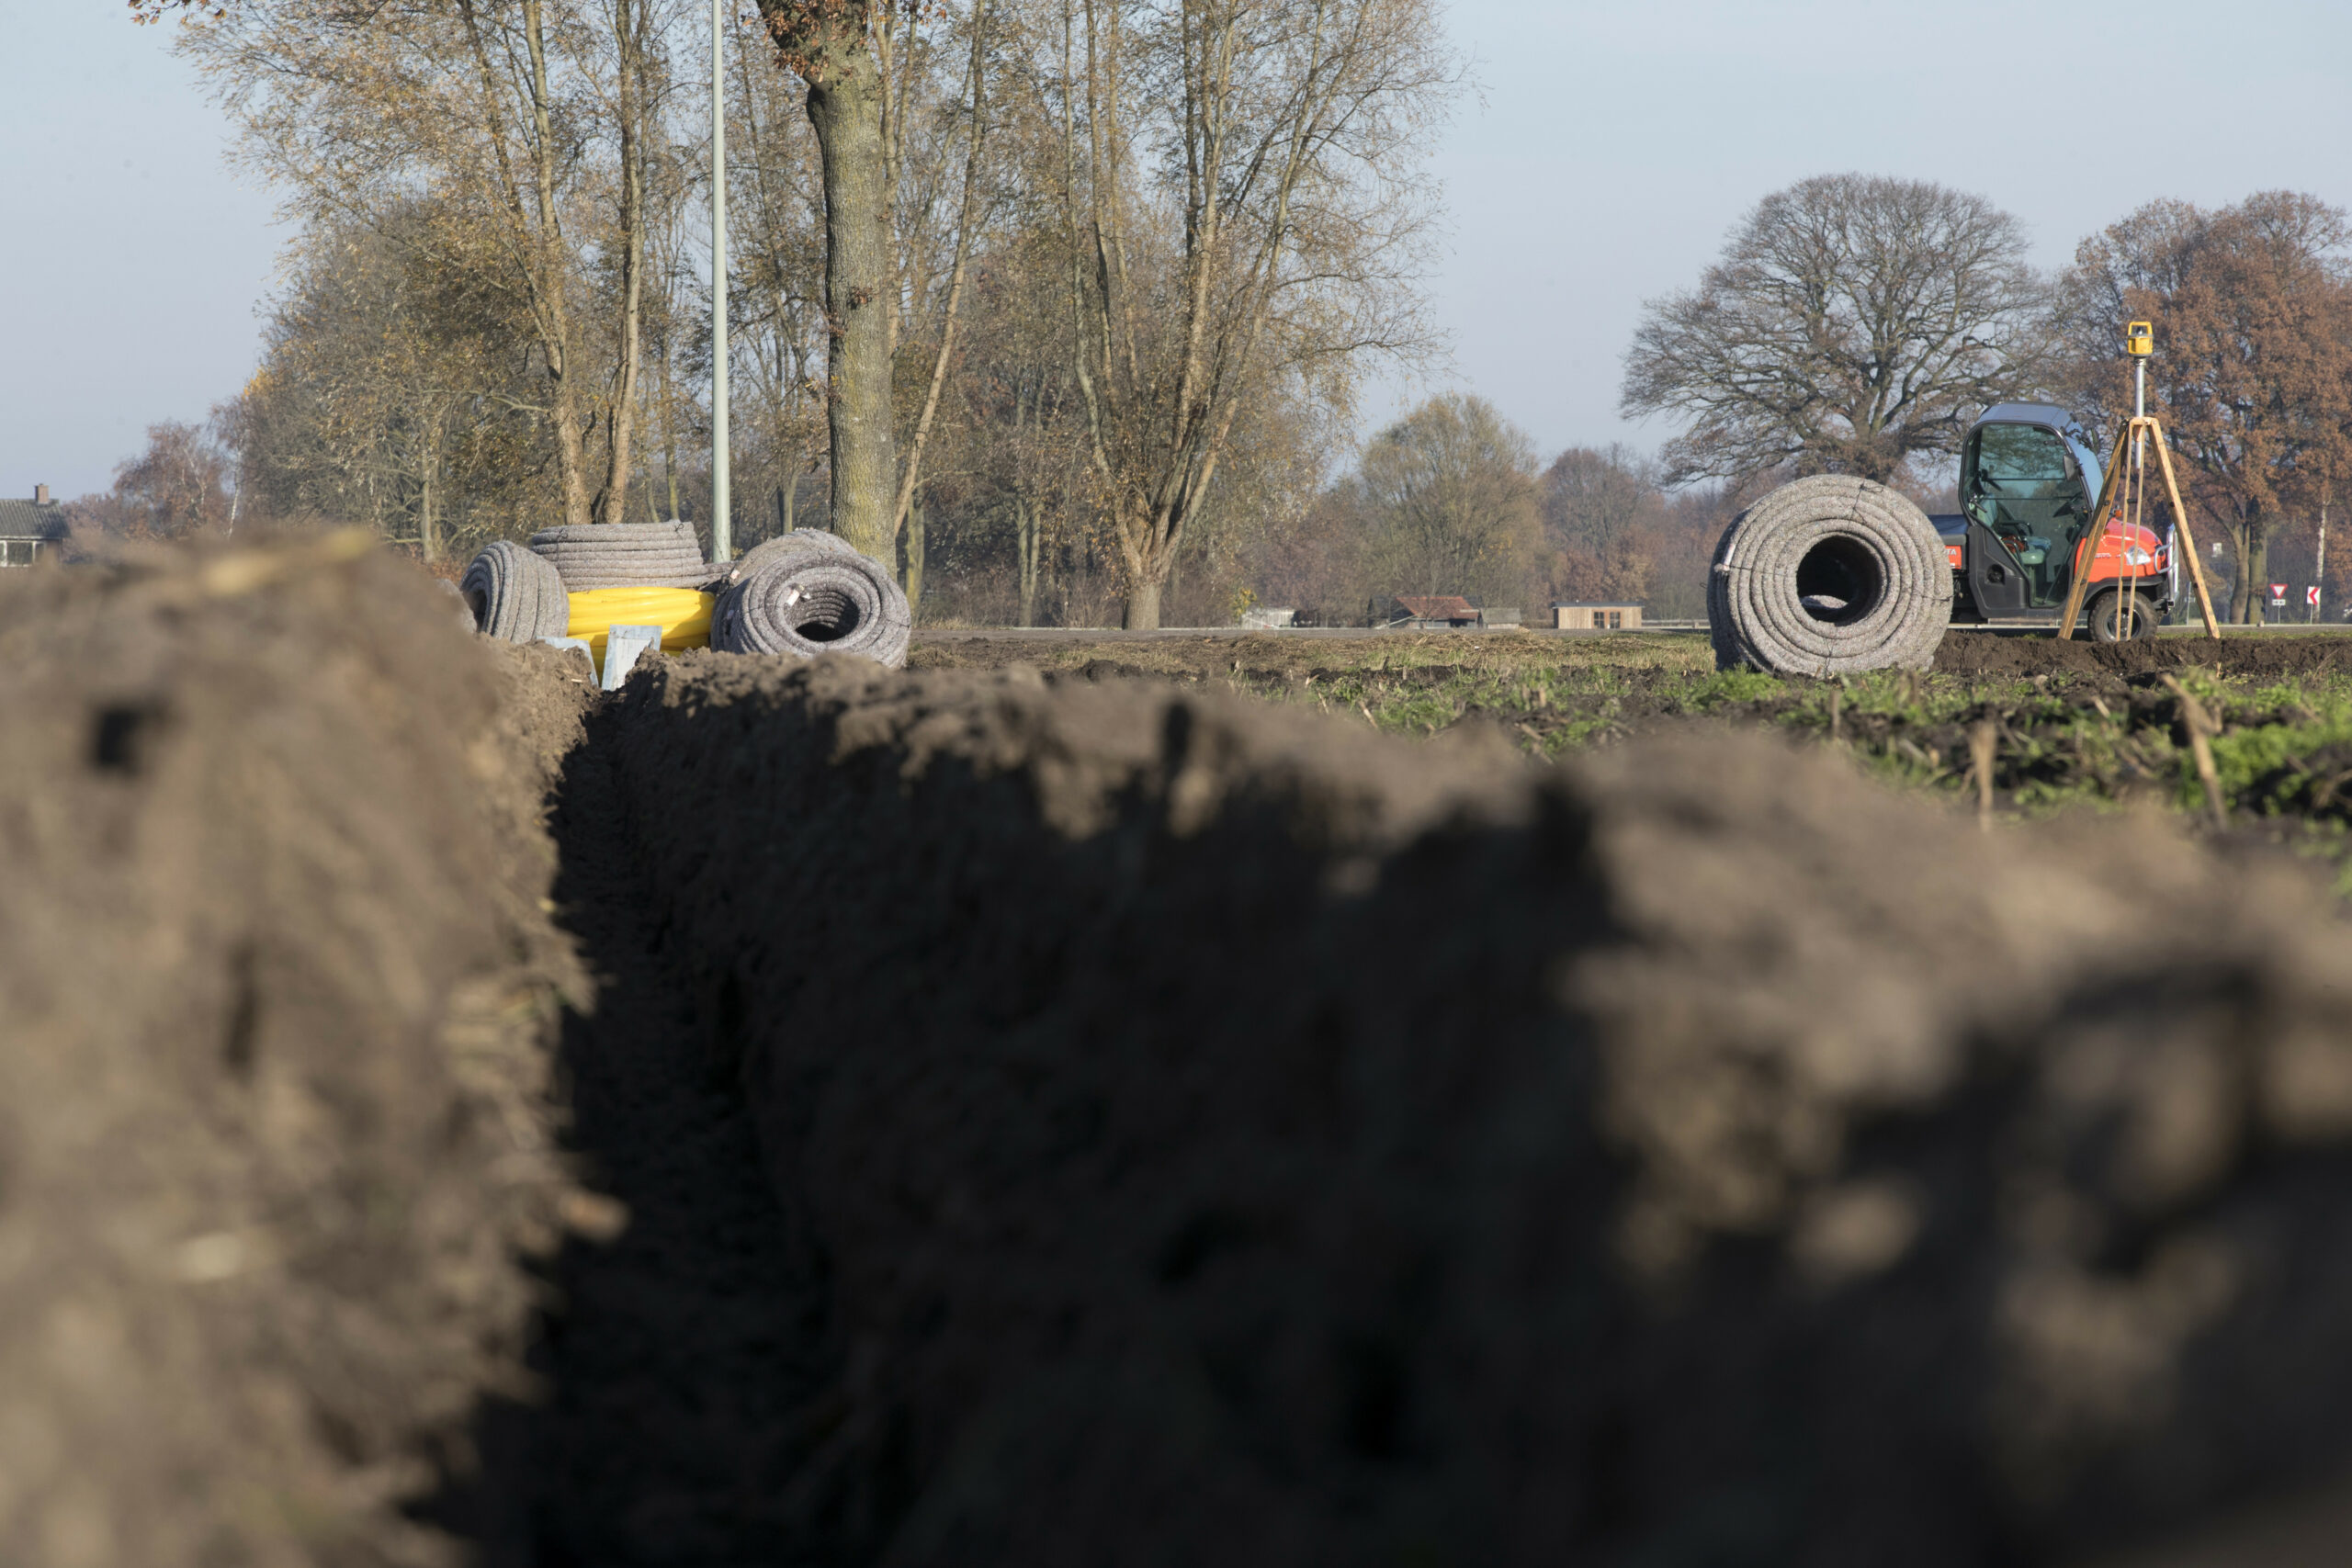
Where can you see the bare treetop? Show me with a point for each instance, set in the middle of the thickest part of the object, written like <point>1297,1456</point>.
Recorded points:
<point>1853,321</point>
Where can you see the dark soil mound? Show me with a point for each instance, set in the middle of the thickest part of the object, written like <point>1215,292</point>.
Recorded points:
<point>1103,1123</point>
<point>272,1128</point>
<point>1235,1138</point>
<point>2261,654</point>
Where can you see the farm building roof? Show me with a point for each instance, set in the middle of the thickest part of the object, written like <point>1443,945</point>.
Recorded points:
<point>1437,606</point>
<point>31,520</point>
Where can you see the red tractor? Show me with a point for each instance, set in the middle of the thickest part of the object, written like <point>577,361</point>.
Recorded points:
<point>2029,483</point>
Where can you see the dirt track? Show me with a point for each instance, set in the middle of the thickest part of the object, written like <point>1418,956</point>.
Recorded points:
<point>1105,1122</point>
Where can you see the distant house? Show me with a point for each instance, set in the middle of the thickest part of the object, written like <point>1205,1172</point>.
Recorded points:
<point>29,529</point>
<point>1432,611</point>
<point>1616,617</point>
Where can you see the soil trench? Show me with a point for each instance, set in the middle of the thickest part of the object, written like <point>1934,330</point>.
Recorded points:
<point>970,1117</point>
<point>680,1348</point>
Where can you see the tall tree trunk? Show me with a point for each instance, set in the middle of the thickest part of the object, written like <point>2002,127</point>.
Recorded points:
<point>964,223</point>
<point>2257,571</point>
<point>2245,608</point>
<point>1148,551</point>
<point>1026,516</point>
<point>537,237</point>
<point>918,542</point>
<point>1143,603</point>
<point>571,459</point>
<point>628,34</point>
<point>826,41</point>
<point>428,526</point>
<point>669,426</point>
<point>847,115</point>
<point>2319,566</point>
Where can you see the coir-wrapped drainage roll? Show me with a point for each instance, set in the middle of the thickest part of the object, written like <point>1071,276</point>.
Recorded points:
<point>800,542</point>
<point>515,595</point>
<point>808,602</point>
<point>1830,576</point>
<point>625,555</point>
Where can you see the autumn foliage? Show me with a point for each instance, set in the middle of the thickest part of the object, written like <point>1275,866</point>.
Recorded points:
<point>2253,372</point>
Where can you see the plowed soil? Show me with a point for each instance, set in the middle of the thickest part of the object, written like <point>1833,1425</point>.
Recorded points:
<point>2274,655</point>
<point>1198,656</point>
<point>276,1139</point>
<point>1238,1137</point>
<point>1259,656</point>
<point>818,1114</point>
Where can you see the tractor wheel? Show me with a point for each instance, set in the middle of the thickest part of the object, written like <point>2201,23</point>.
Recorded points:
<point>2110,614</point>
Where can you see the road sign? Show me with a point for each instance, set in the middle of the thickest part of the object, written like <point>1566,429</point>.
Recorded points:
<point>2277,593</point>
<point>2310,595</point>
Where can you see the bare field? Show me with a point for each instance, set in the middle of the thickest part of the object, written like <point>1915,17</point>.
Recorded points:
<point>2073,725</point>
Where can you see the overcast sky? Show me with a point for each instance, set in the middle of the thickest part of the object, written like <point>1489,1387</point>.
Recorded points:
<point>1609,149</point>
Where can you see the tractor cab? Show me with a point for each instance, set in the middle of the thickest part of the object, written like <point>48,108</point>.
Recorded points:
<point>2028,484</point>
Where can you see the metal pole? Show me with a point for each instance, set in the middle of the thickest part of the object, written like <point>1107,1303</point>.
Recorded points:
<point>2319,567</point>
<point>2140,467</point>
<point>722,541</point>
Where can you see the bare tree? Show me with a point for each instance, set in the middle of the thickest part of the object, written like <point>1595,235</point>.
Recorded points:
<point>1601,509</point>
<point>391,393</point>
<point>180,486</point>
<point>925,305</point>
<point>2253,376</point>
<point>1091,281</point>
<point>1240,207</point>
<point>1449,492</point>
<point>1853,322</point>
<point>528,123</point>
<point>778,235</point>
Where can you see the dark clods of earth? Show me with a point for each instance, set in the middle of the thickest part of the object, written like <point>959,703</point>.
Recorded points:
<point>1136,1103</point>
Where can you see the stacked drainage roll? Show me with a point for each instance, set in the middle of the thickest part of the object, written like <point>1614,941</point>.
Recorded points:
<point>799,594</point>
<point>625,555</point>
<point>1830,576</point>
<point>522,594</point>
<point>808,593</point>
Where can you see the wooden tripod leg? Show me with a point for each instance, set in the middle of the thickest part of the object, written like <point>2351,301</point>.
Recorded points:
<point>2181,517</point>
<point>2081,585</point>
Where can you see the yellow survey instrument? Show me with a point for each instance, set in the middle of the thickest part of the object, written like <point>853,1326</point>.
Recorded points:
<point>683,614</point>
<point>2122,499</point>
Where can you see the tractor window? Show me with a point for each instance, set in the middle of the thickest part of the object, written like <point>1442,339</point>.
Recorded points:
<point>2022,460</point>
<point>2017,481</point>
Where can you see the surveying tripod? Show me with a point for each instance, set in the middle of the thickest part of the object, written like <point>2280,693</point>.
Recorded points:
<point>2123,495</point>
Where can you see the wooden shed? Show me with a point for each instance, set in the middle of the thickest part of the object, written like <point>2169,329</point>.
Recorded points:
<point>1617,618</point>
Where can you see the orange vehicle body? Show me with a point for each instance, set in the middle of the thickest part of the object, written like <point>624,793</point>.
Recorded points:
<point>2110,564</point>
<point>2029,484</point>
